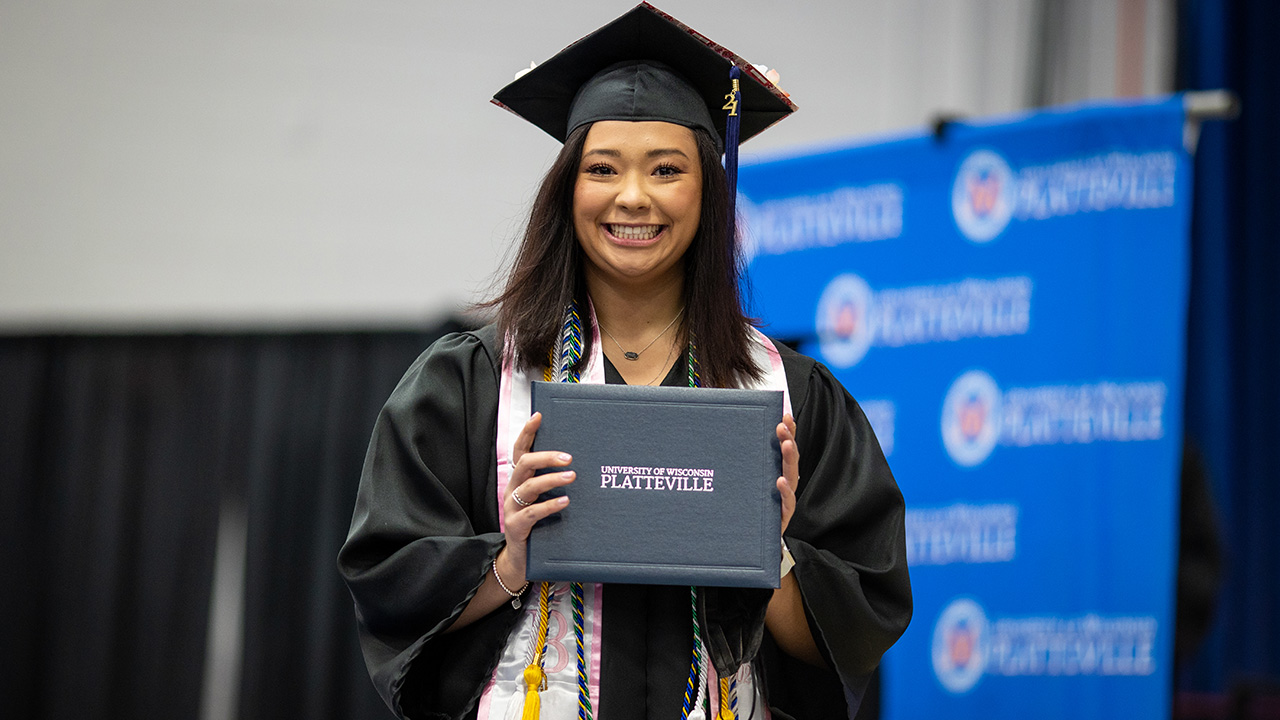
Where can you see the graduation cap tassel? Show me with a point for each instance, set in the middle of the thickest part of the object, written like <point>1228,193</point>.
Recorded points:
<point>731,131</point>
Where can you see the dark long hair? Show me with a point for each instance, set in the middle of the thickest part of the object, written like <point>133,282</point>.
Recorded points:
<point>547,275</point>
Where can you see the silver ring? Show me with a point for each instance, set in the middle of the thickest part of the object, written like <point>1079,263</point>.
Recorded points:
<point>515,495</point>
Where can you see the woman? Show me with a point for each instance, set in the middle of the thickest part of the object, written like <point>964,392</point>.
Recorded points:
<point>631,235</point>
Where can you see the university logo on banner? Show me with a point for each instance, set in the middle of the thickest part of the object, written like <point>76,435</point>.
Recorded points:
<point>987,193</point>
<point>843,321</point>
<point>977,415</point>
<point>971,418</point>
<point>959,645</point>
<point>982,197</point>
<point>853,317</point>
<point>967,644</point>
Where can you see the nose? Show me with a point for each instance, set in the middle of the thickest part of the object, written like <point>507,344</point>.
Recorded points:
<point>632,192</point>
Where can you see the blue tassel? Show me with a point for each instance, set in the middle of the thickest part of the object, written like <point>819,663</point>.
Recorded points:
<point>731,148</point>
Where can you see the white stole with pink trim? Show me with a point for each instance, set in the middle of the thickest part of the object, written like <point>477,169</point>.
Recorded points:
<point>503,696</point>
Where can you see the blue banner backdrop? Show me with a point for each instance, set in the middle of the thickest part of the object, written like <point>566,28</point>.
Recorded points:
<point>1008,303</point>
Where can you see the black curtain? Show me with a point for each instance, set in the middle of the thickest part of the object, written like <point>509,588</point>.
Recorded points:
<point>110,462</point>
<point>117,454</point>
<point>314,403</point>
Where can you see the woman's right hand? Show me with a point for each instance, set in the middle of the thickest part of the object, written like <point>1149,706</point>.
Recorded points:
<point>525,485</point>
<point>520,519</point>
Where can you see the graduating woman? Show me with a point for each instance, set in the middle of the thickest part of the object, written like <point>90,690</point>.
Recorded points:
<point>628,273</point>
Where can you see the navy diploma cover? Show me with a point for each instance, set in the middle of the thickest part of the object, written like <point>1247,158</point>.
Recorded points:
<point>675,486</point>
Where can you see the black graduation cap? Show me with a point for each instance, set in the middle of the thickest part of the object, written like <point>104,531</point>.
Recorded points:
<point>646,65</point>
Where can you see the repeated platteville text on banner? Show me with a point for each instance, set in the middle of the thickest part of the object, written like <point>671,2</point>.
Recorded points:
<point>1007,301</point>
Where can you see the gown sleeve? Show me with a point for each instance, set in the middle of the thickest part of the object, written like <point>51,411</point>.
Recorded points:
<point>424,530</point>
<point>847,540</point>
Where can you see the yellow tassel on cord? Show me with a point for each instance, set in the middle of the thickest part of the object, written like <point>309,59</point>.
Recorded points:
<point>726,713</point>
<point>532,703</point>
<point>534,677</point>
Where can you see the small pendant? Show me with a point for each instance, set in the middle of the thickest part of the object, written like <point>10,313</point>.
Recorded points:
<point>630,355</point>
<point>515,603</point>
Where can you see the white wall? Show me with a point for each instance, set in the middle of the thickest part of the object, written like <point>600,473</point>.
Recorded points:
<point>291,163</point>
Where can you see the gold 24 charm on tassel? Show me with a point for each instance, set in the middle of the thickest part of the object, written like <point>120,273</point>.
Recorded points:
<point>731,100</point>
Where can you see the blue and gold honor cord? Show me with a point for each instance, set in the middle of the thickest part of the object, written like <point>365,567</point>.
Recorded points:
<point>570,352</point>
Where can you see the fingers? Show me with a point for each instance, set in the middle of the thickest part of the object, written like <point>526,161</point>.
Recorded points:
<point>531,462</point>
<point>522,514</point>
<point>527,492</point>
<point>524,441</point>
<point>790,468</point>
<point>788,502</point>
<point>521,505</point>
<point>790,451</point>
<point>525,462</point>
<point>519,523</point>
<point>521,519</point>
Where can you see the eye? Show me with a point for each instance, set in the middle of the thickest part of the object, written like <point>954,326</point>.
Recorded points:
<point>599,169</point>
<point>666,170</point>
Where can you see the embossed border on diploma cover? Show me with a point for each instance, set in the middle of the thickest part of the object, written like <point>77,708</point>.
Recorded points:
<point>675,486</point>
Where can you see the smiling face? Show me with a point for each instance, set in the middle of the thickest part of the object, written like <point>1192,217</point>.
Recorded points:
<point>637,201</point>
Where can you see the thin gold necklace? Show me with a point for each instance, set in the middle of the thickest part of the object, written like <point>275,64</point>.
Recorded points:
<point>633,356</point>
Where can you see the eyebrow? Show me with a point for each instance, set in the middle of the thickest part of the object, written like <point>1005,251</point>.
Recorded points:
<point>656,152</point>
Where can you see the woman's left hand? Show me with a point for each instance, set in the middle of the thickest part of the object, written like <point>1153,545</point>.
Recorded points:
<point>790,468</point>
<point>785,616</point>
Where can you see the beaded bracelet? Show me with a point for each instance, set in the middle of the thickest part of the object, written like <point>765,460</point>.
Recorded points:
<point>515,596</point>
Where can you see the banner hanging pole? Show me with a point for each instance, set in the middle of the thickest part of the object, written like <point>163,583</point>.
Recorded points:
<point>1201,105</point>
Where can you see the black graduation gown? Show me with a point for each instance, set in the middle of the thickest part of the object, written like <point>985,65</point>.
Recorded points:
<point>425,528</point>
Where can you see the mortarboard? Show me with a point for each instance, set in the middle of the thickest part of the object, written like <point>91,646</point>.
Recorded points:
<point>646,65</point>
<point>591,79</point>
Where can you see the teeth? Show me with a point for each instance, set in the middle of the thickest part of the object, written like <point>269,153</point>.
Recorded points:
<point>627,232</point>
